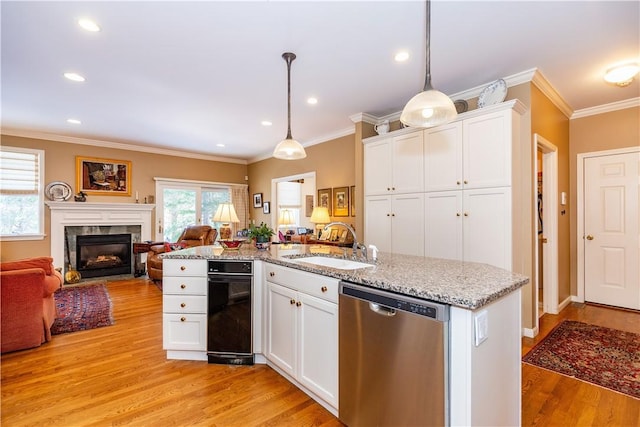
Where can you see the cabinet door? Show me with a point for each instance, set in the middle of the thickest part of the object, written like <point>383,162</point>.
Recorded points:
<point>408,163</point>
<point>377,167</point>
<point>487,226</point>
<point>181,331</point>
<point>443,157</point>
<point>281,327</point>
<point>378,222</point>
<point>443,222</point>
<point>318,338</point>
<point>487,150</point>
<point>407,224</point>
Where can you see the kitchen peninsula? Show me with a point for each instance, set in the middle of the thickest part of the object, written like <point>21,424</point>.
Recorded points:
<point>484,326</point>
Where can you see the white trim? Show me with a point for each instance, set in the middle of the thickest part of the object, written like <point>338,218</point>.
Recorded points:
<point>565,303</point>
<point>364,117</point>
<point>541,82</point>
<point>606,108</point>
<point>118,145</point>
<point>530,332</point>
<point>580,210</point>
<point>274,193</point>
<point>195,182</point>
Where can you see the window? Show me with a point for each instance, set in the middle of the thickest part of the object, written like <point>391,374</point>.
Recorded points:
<point>21,191</point>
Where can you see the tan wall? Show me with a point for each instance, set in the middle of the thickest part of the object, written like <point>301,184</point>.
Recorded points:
<point>60,165</point>
<point>607,131</point>
<point>332,161</point>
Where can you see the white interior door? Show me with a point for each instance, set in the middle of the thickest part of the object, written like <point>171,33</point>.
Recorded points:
<point>611,230</point>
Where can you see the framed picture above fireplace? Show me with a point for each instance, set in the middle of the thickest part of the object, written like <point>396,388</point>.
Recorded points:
<point>106,177</point>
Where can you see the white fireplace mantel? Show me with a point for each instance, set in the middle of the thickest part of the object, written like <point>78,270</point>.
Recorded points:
<point>69,214</point>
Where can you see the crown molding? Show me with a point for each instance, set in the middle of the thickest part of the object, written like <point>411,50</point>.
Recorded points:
<point>364,117</point>
<point>118,145</point>
<point>606,108</point>
<point>541,82</point>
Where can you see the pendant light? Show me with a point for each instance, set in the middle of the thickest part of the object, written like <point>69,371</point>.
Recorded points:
<point>430,107</point>
<point>289,148</point>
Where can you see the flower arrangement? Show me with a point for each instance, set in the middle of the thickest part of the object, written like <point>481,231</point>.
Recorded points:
<point>262,235</point>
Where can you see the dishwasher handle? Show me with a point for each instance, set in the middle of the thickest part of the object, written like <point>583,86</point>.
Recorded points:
<point>382,310</point>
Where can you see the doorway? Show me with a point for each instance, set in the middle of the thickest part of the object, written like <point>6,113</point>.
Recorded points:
<point>297,205</point>
<point>546,203</point>
<point>608,228</point>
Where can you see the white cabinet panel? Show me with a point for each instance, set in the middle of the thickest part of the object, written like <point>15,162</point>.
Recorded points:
<point>443,223</point>
<point>377,173</point>
<point>282,327</point>
<point>378,222</point>
<point>184,331</point>
<point>443,157</point>
<point>396,223</point>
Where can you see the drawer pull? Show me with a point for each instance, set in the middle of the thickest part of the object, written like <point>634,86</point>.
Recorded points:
<point>298,304</point>
<point>292,301</point>
<point>183,319</point>
<point>324,289</point>
<point>272,273</point>
<point>183,286</point>
<point>183,268</point>
<point>183,305</point>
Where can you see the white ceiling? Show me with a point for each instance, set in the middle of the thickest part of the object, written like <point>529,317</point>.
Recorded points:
<point>190,75</point>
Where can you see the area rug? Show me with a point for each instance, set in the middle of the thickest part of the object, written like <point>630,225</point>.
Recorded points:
<point>602,356</point>
<point>82,307</point>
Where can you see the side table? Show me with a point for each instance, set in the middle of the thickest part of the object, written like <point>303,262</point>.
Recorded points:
<point>139,268</point>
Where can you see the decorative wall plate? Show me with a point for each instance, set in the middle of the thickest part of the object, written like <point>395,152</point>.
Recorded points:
<point>461,105</point>
<point>58,191</point>
<point>495,93</point>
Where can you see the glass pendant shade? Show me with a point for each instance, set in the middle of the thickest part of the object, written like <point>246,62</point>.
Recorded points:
<point>427,109</point>
<point>289,149</point>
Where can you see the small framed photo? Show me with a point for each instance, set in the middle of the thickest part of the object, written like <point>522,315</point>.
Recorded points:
<point>257,200</point>
<point>352,200</point>
<point>266,207</point>
<point>105,177</point>
<point>324,198</point>
<point>341,201</point>
<point>334,235</point>
<point>343,236</point>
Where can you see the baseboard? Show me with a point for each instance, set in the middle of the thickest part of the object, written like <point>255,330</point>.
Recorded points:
<point>568,300</point>
<point>530,332</point>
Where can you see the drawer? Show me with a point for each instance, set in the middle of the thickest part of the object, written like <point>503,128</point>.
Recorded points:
<point>184,304</point>
<point>184,332</point>
<point>184,267</point>
<point>184,285</point>
<point>309,283</point>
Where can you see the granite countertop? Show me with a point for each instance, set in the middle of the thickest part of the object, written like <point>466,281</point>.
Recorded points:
<point>468,285</point>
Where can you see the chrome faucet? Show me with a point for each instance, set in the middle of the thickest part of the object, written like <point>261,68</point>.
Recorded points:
<point>356,245</point>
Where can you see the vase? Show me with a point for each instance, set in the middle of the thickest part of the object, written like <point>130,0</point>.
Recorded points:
<point>262,242</point>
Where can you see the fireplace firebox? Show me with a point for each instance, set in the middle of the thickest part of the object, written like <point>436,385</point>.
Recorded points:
<point>103,255</point>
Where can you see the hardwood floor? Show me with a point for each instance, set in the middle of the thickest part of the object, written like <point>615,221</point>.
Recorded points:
<point>119,375</point>
<point>550,399</point>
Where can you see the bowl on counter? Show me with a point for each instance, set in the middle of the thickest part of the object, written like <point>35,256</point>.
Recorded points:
<point>231,244</point>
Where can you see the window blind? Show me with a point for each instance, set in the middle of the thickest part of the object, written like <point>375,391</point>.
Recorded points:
<point>19,172</point>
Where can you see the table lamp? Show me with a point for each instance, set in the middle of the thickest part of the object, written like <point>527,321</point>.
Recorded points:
<point>320,216</point>
<point>225,214</point>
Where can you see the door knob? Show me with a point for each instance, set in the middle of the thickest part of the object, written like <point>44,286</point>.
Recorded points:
<point>589,237</point>
<point>544,240</point>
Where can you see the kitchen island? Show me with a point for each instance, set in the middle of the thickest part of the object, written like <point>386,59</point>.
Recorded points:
<point>484,325</point>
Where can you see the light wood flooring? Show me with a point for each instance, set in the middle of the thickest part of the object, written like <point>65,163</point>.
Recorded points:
<point>119,375</point>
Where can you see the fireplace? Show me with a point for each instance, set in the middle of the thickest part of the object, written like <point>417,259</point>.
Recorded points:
<point>103,255</point>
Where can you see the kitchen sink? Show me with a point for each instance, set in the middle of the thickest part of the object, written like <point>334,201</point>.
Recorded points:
<point>339,263</point>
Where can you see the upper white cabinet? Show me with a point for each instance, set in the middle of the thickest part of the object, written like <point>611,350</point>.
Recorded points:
<point>394,165</point>
<point>443,157</point>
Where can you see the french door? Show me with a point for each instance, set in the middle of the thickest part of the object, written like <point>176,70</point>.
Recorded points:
<point>180,205</point>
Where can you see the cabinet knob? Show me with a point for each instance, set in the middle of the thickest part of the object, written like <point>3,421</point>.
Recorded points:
<point>465,181</point>
<point>271,273</point>
<point>183,305</point>
<point>183,319</point>
<point>183,286</point>
<point>298,304</point>
<point>393,188</point>
<point>589,237</point>
<point>324,289</point>
<point>388,189</point>
<point>457,182</point>
<point>457,213</point>
<point>466,214</point>
<point>183,268</point>
<point>292,301</point>
<point>393,214</point>
<point>388,214</point>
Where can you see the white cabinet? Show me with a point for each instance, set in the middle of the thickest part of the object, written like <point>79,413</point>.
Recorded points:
<point>469,225</point>
<point>443,157</point>
<point>184,307</point>
<point>396,223</point>
<point>302,330</point>
<point>394,165</point>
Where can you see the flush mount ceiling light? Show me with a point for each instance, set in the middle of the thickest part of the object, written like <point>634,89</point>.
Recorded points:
<point>289,148</point>
<point>74,77</point>
<point>74,121</point>
<point>430,107</point>
<point>622,75</point>
<point>89,25</point>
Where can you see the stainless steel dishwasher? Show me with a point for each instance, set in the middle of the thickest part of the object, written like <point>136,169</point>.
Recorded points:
<point>393,359</point>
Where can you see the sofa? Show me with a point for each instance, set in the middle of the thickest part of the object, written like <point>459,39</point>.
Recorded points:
<point>196,235</point>
<point>28,308</point>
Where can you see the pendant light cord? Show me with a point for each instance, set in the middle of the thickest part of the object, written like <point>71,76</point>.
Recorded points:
<point>427,74</point>
<point>289,57</point>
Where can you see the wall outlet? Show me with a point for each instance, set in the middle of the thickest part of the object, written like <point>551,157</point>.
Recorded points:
<point>481,326</point>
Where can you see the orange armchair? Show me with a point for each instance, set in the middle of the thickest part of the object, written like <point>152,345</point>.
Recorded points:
<point>197,235</point>
<point>28,307</point>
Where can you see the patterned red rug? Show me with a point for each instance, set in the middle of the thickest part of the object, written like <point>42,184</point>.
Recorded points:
<point>82,307</point>
<point>602,356</point>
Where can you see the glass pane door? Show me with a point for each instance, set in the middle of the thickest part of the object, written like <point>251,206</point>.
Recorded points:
<point>179,211</point>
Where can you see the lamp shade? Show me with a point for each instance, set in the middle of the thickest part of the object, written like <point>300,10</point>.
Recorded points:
<point>428,109</point>
<point>226,213</point>
<point>289,149</point>
<point>320,215</point>
<point>286,217</point>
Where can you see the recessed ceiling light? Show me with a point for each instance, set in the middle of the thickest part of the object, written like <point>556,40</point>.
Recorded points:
<point>220,145</point>
<point>622,75</point>
<point>266,123</point>
<point>74,121</point>
<point>401,56</point>
<point>88,25</point>
<point>75,77</point>
<point>312,100</point>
